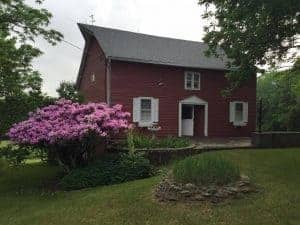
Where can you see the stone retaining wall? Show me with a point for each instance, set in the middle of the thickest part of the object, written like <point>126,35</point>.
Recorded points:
<point>166,155</point>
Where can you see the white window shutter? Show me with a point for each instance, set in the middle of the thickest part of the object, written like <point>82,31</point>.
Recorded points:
<point>245,112</point>
<point>231,111</point>
<point>154,109</point>
<point>136,108</point>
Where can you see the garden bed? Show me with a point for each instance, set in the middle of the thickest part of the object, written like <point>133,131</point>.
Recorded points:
<point>169,190</point>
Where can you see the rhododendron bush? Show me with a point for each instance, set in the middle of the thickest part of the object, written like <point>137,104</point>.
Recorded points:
<point>70,130</point>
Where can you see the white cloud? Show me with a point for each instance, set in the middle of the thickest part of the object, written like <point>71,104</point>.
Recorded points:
<point>170,18</point>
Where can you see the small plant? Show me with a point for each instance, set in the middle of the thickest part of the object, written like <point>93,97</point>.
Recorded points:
<point>136,140</point>
<point>15,155</point>
<point>130,141</point>
<point>111,169</point>
<point>206,169</point>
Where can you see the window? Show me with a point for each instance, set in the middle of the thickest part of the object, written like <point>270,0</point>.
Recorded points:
<point>145,111</point>
<point>239,113</point>
<point>192,81</point>
<point>93,78</point>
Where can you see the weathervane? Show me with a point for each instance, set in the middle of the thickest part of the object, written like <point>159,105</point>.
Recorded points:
<point>92,19</point>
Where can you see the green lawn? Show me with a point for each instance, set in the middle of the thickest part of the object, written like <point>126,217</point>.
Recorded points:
<point>23,200</point>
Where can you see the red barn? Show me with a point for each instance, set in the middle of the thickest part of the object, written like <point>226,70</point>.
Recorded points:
<point>166,81</point>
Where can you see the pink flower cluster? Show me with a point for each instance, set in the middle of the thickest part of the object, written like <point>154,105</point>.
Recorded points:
<point>68,121</point>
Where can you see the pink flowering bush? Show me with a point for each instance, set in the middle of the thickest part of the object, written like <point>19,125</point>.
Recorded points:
<point>70,130</point>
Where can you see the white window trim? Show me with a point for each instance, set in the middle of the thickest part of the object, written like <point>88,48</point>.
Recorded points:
<point>185,81</point>
<point>244,122</point>
<point>154,111</point>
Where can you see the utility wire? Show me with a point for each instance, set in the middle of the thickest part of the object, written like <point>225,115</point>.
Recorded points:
<point>71,44</point>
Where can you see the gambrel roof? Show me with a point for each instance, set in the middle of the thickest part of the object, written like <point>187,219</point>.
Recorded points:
<point>137,47</point>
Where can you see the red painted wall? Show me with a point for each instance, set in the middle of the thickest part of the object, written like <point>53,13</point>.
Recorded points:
<point>129,80</point>
<point>95,63</point>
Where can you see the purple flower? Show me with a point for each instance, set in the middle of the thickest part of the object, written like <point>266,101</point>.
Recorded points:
<point>68,121</point>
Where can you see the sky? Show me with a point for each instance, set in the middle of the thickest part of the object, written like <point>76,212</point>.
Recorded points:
<point>168,18</point>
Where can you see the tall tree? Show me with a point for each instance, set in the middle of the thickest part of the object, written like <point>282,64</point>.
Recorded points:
<point>67,90</point>
<point>280,94</point>
<point>20,25</point>
<point>251,32</point>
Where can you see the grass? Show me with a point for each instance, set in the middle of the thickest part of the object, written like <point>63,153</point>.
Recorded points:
<point>23,200</point>
<point>206,169</point>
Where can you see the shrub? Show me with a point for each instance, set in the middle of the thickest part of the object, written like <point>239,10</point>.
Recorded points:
<point>14,109</point>
<point>136,140</point>
<point>109,170</point>
<point>3,166</point>
<point>205,169</point>
<point>15,155</point>
<point>70,131</point>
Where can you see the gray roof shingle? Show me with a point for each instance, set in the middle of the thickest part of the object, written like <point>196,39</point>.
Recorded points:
<point>136,47</point>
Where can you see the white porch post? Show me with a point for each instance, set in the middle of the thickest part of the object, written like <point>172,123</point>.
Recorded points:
<point>179,119</point>
<point>206,120</point>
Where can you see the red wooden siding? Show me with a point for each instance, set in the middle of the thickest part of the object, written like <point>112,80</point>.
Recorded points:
<point>95,64</point>
<point>129,80</point>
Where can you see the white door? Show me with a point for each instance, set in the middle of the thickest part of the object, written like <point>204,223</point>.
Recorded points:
<point>187,116</point>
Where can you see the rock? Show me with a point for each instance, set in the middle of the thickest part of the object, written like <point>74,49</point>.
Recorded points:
<point>206,194</point>
<point>198,198</point>
<point>190,186</point>
<point>245,189</point>
<point>220,194</point>
<point>245,179</point>
<point>171,198</point>
<point>241,183</point>
<point>231,190</point>
<point>175,188</point>
<point>185,193</point>
<point>212,190</point>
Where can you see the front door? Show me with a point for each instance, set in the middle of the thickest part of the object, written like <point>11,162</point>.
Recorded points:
<point>187,117</point>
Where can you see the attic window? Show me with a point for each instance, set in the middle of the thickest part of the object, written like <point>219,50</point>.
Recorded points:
<point>192,81</point>
<point>93,78</point>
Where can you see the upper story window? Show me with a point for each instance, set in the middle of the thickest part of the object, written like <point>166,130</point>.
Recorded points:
<point>93,78</point>
<point>192,81</point>
<point>238,113</point>
<point>145,111</point>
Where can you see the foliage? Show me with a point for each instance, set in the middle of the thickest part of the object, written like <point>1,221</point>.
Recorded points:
<point>280,95</point>
<point>109,170</point>
<point>15,155</point>
<point>20,25</point>
<point>70,131</point>
<point>205,170</point>
<point>67,90</point>
<point>3,166</point>
<point>14,109</point>
<point>250,33</point>
<point>130,141</point>
<point>138,140</point>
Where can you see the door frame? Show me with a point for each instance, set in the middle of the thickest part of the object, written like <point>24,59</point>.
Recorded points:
<point>193,100</point>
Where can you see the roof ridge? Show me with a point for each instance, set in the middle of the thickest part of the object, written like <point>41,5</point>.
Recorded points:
<point>148,35</point>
